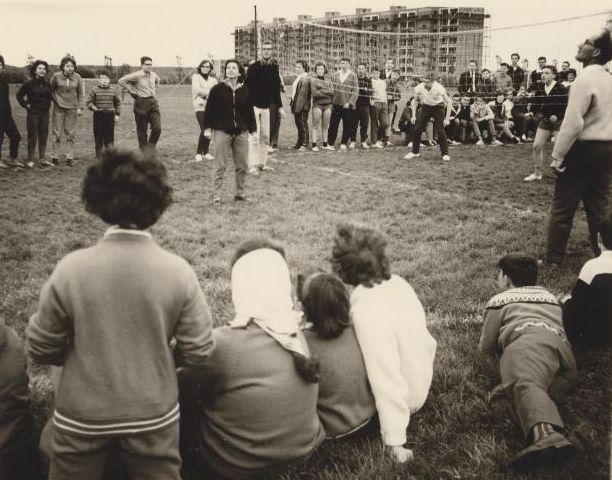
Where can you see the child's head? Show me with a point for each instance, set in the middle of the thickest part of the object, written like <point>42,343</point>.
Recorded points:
<point>358,255</point>
<point>500,98</point>
<point>320,69</point>
<point>465,100</point>
<point>478,101</point>
<point>104,78</point>
<point>486,73</point>
<point>127,189</point>
<point>605,233</point>
<point>456,99</point>
<point>326,304</point>
<point>517,270</point>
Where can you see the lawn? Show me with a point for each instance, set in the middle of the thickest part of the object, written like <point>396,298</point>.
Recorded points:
<point>447,223</point>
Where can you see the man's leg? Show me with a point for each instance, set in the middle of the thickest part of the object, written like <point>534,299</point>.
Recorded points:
<point>141,116</point>
<point>14,137</point>
<point>438,115</point>
<point>364,123</point>
<point>98,133</point>
<point>305,128</point>
<point>223,143</point>
<point>274,124</point>
<point>348,121</point>
<point>297,117</point>
<point>334,123</point>
<point>155,121</point>
<point>596,196</point>
<point>422,119</point>
<point>240,152</point>
<point>264,137</point>
<point>390,117</point>
<point>373,123</point>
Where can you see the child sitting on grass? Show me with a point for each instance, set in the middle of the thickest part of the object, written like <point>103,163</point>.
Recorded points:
<point>389,320</point>
<point>345,401</point>
<point>524,324</point>
<point>108,314</point>
<point>587,314</point>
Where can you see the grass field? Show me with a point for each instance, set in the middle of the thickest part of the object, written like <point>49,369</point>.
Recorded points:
<point>448,224</point>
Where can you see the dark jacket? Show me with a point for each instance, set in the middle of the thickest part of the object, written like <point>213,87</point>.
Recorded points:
<point>393,91</point>
<point>230,110</point>
<point>264,82</point>
<point>535,80</point>
<point>465,82</point>
<point>365,91</point>
<point>5,103</point>
<point>517,76</point>
<point>486,89</point>
<point>303,95</point>
<point>35,94</point>
<point>554,103</point>
<point>464,113</point>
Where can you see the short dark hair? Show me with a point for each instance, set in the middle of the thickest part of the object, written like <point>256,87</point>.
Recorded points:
<point>144,59</point>
<point>345,59</point>
<point>605,231</point>
<point>2,61</point>
<point>358,255</point>
<point>520,268</point>
<point>564,62</point>
<point>321,64</point>
<point>541,58</point>
<point>359,64</point>
<point>604,43</point>
<point>256,243</point>
<point>35,66</point>
<point>552,68</point>
<point>241,74</point>
<point>127,188</point>
<point>456,95</point>
<point>504,64</point>
<point>304,64</point>
<point>572,71</point>
<point>326,304</point>
<point>104,72</point>
<point>471,60</point>
<point>485,70</point>
<point>65,60</point>
<point>515,55</point>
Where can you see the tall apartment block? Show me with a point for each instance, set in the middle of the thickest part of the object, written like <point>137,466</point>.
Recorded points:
<point>419,40</point>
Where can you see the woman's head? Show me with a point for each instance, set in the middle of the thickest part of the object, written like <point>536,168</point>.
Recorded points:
<point>326,305</point>
<point>320,69</point>
<point>358,255</point>
<point>233,69</point>
<point>39,69</point>
<point>301,67</point>
<point>205,67</point>
<point>127,189</point>
<point>68,65</point>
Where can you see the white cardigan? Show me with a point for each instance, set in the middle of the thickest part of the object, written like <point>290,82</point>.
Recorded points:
<point>398,352</point>
<point>200,89</point>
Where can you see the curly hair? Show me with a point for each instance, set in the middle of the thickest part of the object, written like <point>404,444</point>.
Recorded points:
<point>65,60</point>
<point>204,62</point>
<point>321,64</point>
<point>326,304</point>
<point>358,255</point>
<point>35,65</point>
<point>126,188</point>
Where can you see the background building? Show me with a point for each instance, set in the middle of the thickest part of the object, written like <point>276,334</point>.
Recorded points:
<point>419,40</point>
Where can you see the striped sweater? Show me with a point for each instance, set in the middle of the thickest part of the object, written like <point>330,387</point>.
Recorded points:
<point>112,332</point>
<point>105,99</point>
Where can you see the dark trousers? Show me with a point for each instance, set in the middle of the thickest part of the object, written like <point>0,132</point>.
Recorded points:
<point>7,125</point>
<point>146,111</point>
<point>425,113</point>
<point>452,130</point>
<point>523,124</point>
<point>104,130</point>
<point>38,131</point>
<point>203,142</point>
<point>301,122</point>
<point>275,122</point>
<point>361,120</point>
<point>587,179</point>
<point>344,114</point>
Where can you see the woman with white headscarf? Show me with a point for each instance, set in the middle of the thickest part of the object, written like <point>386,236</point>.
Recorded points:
<point>253,407</point>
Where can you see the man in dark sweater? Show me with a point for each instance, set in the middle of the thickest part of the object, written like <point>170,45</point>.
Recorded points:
<point>515,72</point>
<point>264,84</point>
<point>362,111</point>
<point>7,124</point>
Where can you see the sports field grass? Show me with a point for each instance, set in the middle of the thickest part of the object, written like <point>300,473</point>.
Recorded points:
<point>448,224</point>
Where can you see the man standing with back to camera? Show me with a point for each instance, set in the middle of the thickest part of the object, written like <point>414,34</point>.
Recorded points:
<point>582,156</point>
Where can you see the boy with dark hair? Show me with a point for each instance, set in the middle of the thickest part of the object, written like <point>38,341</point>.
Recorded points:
<point>105,102</point>
<point>524,324</point>
<point>587,314</point>
<point>112,331</point>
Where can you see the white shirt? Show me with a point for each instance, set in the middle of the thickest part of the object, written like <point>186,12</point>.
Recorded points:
<point>397,349</point>
<point>379,90</point>
<point>432,97</point>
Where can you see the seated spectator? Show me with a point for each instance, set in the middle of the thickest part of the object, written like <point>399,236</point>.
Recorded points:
<point>469,81</point>
<point>587,314</point>
<point>397,348</point>
<point>482,119</point>
<point>501,118</point>
<point>565,68</point>
<point>535,78</point>
<point>452,129</point>
<point>570,77</point>
<point>252,408</point>
<point>18,455</point>
<point>523,323</point>
<point>525,124</point>
<point>486,87</point>
<point>464,117</point>
<point>345,399</point>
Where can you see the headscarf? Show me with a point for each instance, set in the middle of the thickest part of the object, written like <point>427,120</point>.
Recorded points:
<point>261,293</point>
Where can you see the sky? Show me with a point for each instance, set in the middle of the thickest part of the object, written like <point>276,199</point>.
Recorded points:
<point>127,29</point>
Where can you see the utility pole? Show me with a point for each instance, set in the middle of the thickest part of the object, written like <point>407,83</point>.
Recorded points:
<point>256,33</point>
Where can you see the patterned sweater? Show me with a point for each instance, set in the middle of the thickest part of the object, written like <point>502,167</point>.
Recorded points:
<point>105,99</point>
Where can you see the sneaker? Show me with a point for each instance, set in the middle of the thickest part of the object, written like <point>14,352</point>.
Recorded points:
<point>3,165</point>
<point>198,158</point>
<point>208,156</point>
<point>533,177</point>
<point>29,164</point>
<point>396,130</point>
<point>454,143</point>
<point>216,201</point>
<point>365,145</point>
<point>409,145</point>
<point>516,140</point>
<point>46,163</point>
<point>69,162</point>
<point>480,142</point>
<point>302,149</point>
<point>315,149</point>
<point>496,142</point>
<point>266,168</point>
<point>55,162</point>
<point>411,155</point>
<point>329,147</point>
<point>297,146</point>
<point>352,145</point>
<point>378,144</point>
<point>551,449</point>
<point>242,198</point>
<point>253,171</point>
<point>388,144</point>
<point>271,149</point>
<point>343,148</point>
<point>446,158</point>
<point>523,138</point>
